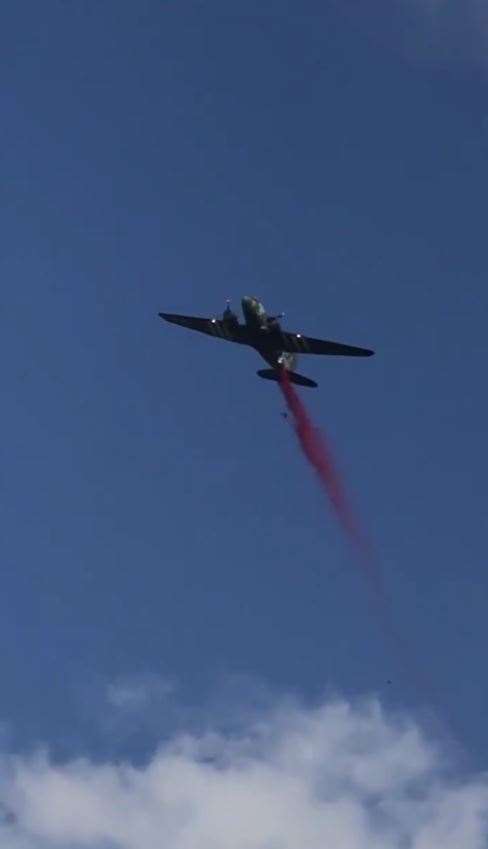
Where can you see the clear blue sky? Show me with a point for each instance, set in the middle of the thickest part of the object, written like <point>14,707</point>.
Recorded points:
<point>157,517</point>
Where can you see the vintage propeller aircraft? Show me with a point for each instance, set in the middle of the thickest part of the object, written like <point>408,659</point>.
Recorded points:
<point>278,347</point>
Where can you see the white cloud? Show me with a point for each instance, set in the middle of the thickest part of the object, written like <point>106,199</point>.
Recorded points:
<point>341,776</point>
<point>137,693</point>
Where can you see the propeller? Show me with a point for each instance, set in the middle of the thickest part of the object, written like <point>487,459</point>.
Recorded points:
<point>229,315</point>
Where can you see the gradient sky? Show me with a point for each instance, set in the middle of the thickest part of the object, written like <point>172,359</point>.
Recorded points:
<point>157,516</point>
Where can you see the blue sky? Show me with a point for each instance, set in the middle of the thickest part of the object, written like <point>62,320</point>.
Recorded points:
<point>158,518</point>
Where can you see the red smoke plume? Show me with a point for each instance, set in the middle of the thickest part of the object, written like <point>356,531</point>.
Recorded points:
<point>318,453</point>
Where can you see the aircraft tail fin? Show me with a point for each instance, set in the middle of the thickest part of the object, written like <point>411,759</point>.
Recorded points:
<point>293,377</point>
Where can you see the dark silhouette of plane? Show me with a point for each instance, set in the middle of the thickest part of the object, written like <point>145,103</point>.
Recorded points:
<point>264,333</point>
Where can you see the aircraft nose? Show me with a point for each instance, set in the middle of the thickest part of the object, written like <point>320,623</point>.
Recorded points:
<point>247,303</point>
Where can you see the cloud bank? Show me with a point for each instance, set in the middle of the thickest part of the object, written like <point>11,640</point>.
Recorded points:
<point>338,776</point>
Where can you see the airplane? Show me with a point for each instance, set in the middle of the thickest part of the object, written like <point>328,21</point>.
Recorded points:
<point>279,348</point>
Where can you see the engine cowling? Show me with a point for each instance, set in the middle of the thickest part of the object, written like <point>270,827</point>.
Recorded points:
<point>274,321</point>
<point>229,317</point>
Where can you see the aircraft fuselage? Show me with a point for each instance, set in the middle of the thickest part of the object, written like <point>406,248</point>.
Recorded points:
<point>263,330</point>
<point>254,314</point>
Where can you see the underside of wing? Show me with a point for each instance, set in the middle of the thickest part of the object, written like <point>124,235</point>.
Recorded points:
<point>210,326</point>
<point>298,343</point>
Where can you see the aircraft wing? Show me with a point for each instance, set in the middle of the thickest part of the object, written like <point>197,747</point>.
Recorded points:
<point>298,343</point>
<point>210,326</point>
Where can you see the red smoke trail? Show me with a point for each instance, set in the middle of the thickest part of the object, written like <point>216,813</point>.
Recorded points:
<point>317,451</point>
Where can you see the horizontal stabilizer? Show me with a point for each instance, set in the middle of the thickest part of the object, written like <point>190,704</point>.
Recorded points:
<point>293,377</point>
